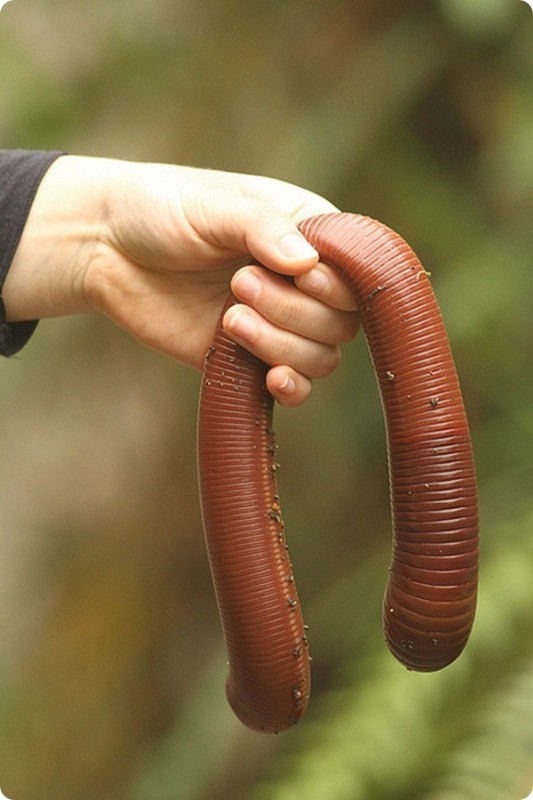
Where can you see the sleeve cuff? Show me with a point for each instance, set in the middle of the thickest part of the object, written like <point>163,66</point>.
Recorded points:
<point>22,172</point>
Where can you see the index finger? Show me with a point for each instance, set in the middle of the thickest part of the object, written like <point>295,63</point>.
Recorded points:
<point>326,285</point>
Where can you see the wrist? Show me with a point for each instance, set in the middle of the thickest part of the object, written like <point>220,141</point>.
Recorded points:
<point>61,234</point>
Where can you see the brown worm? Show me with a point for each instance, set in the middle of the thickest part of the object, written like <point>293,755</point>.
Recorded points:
<point>430,599</point>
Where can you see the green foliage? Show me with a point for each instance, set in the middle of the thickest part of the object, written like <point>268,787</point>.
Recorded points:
<point>111,681</point>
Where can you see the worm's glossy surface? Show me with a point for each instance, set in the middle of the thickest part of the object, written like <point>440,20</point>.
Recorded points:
<point>269,679</point>
<point>430,600</point>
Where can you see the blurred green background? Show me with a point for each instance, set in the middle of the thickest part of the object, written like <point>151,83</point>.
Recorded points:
<point>111,659</point>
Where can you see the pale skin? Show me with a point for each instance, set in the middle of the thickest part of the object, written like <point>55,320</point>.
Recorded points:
<point>156,248</point>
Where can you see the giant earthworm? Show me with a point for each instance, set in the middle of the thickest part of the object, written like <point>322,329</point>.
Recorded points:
<point>430,598</point>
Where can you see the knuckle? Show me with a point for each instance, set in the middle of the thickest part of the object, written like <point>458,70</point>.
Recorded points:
<point>349,328</point>
<point>329,362</point>
<point>288,312</point>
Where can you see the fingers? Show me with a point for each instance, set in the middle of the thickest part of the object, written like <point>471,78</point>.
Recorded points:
<point>326,285</point>
<point>289,308</point>
<point>296,331</point>
<point>276,346</point>
<point>287,386</point>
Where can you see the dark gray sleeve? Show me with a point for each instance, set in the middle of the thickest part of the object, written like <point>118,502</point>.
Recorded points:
<point>21,172</point>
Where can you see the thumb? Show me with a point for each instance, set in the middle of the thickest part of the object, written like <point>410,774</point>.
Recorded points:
<point>245,225</point>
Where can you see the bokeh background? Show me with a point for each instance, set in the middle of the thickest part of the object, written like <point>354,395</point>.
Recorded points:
<point>111,659</point>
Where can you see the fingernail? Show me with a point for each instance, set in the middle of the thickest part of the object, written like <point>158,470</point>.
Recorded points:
<point>288,387</point>
<point>246,286</point>
<point>292,245</point>
<point>242,324</point>
<point>314,281</point>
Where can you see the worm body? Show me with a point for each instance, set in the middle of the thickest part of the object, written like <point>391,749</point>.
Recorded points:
<point>430,598</point>
<point>269,680</point>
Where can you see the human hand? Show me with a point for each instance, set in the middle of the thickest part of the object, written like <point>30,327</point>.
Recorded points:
<point>156,247</point>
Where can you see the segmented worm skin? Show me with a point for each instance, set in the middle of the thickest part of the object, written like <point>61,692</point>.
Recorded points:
<point>269,677</point>
<point>430,599</point>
